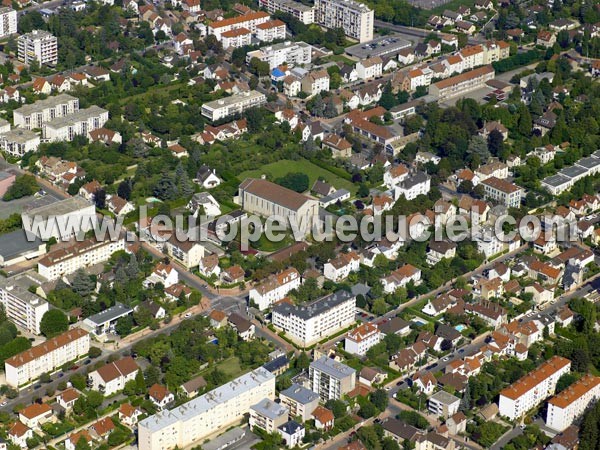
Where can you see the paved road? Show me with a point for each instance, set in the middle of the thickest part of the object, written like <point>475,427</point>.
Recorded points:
<point>417,32</point>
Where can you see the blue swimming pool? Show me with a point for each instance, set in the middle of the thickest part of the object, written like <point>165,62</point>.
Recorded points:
<point>459,328</point>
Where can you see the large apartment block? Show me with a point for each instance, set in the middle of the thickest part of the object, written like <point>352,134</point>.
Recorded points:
<point>78,124</point>
<point>35,115</point>
<point>529,391</point>
<point>248,21</point>
<point>40,46</point>
<point>235,104</point>
<point>78,255</point>
<point>356,19</point>
<point>568,405</point>
<point>46,357</point>
<point>302,12</point>
<point>62,220</point>
<point>502,191</point>
<point>285,53</point>
<point>331,379</point>
<point>17,142</point>
<point>314,321</point>
<point>23,308</point>
<point>207,414</point>
<point>463,83</point>
<point>8,22</point>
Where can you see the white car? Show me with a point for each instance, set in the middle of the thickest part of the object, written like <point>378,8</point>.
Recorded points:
<point>188,315</point>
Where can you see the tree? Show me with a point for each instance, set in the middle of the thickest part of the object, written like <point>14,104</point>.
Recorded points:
<point>45,378</point>
<point>82,283</point>
<point>368,410</point>
<point>565,381</point>
<point>296,181</point>
<point>379,307</point>
<point>54,322</point>
<point>387,100</point>
<point>337,407</point>
<point>82,444</point>
<point>94,352</point>
<point>368,436</point>
<point>495,142</point>
<point>525,123</point>
<point>479,146</point>
<point>166,188</point>
<point>125,188</point>
<point>380,399</point>
<point>23,186</point>
<point>152,375</point>
<point>259,68</point>
<point>124,325</point>
<point>100,198</point>
<point>302,361</point>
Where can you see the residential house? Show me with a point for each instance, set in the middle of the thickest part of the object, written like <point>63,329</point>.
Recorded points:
<point>129,415</point>
<point>113,376</point>
<point>244,328</point>
<point>160,395</point>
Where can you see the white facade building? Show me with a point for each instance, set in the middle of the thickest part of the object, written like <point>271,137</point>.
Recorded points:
<point>17,142</point>
<point>270,31</point>
<point>36,114</point>
<point>275,288</point>
<point>361,339</point>
<point>46,357</point>
<point>207,414</point>
<point>236,104</point>
<point>284,53</point>
<point>356,19</point>
<point>78,255</point>
<point>418,183</point>
<point>529,391</point>
<point>112,377</point>
<point>331,379</point>
<point>571,403</point>
<point>310,323</point>
<point>248,21</point>
<point>77,124</point>
<point>302,12</point>
<point>62,220</point>
<point>502,191</point>
<point>24,308</point>
<point>38,45</point>
<point>8,22</point>
<point>339,268</point>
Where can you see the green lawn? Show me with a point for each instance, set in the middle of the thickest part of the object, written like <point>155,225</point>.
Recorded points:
<point>283,167</point>
<point>231,367</point>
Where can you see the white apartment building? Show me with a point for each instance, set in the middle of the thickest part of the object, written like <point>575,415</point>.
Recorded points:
<point>17,142</point>
<point>361,339</point>
<point>62,220</point>
<point>8,22</point>
<point>331,379</point>
<point>78,255</point>
<point>300,401</point>
<point>462,84</point>
<point>269,199</point>
<point>38,45</point>
<point>369,68</point>
<point>46,357</point>
<point>267,415</point>
<point>36,114</point>
<point>22,307</point>
<point>207,414</point>
<point>270,31</point>
<point>302,12</point>
<point>248,21</point>
<point>315,82</point>
<point>317,320</point>
<point>502,191</point>
<point>235,104</point>
<point>533,388</point>
<point>356,19</point>
<point>488,243</point>
<point>236,38</point>
<point>569,404</point>
<point>418,183</point>
<point>284,53</point>
<point>339,268</point>
<point>78,124</point>
<point>274,288</point>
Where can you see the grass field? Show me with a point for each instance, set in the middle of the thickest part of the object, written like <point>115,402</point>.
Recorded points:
<point>231,367</point>
<point>283,167</point>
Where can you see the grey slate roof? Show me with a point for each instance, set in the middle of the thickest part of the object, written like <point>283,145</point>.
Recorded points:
<point>315,308</point>
<point>300,394</point>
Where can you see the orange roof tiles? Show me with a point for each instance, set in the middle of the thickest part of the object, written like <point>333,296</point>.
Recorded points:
<point>240,19</point>
<point>46,347</point>
<point>532,379</point>
<point>575,391</point>
<point>35,410</point>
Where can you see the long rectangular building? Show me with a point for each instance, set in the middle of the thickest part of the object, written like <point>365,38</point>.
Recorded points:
<point>529,391</point>
<point>23,307</point>
<point>79,123</point>
<point>248,21</point>
<point>235,104</point>
<point>35,115</point>
<point>46,357</point>
<point>205,415</point>
<point>77,255</point>
<point>462,84</point>
<point>310,323</point>
<point>284,53</point>
<point>568,405</point>
<point>302,12</point>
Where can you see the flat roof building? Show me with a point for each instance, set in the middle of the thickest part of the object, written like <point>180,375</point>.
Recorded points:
<point>355,18</point>
<point>17,142</point>
<point>34,115</point>
<point>16,247</point>
<point>207,414</point>
<point>300,401</point>
<point>304,13</point>
<point>80,123</point>
<point>462,84</point>
<point>331,379</point>
<point>235,104</point>
<point>24,308</point>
